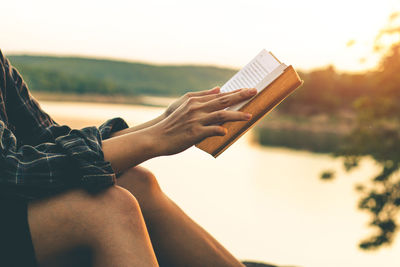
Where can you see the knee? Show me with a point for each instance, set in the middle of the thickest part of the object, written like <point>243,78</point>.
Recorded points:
<point>119,202</point>
<point>114,209</point>
<point>109,207</point>
<point>143,179</point>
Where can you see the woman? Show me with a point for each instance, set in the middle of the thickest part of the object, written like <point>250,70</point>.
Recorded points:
<point>62,203</point>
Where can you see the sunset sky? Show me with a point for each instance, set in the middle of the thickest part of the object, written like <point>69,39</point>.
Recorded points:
<point>307,34</point>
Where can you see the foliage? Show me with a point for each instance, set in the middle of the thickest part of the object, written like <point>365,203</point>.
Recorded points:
<point>377,134</point>
<point>327,175</point>
<point>326,91</point>
<point>82,75</point>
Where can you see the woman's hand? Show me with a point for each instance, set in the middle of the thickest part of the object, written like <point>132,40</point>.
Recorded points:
<point>193,120</point>
<point>197,117</point>
<point>171,108</point>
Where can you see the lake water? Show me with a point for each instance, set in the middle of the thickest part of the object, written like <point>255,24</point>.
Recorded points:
<point>261,203</point>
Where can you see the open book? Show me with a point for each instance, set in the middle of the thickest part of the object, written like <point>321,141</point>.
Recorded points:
<point>273,80</point>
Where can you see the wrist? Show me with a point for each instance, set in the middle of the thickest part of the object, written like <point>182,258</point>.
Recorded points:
<point>154,143</point>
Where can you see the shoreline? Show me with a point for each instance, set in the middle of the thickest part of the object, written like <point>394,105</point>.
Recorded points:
<point>318,133</point>
<point>142,100</point>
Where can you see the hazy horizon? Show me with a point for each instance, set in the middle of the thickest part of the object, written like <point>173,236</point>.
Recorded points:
<point>188,64</point>
<point>308,35</point>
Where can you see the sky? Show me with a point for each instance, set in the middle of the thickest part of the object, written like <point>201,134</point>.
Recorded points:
<point>307,34</point>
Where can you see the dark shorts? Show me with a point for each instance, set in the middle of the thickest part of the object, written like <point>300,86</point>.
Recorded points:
<point>16,247</point>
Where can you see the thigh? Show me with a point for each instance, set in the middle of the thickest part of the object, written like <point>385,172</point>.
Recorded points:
<point>71,228</point>
<point>59,229</point>
<point>16,247</point>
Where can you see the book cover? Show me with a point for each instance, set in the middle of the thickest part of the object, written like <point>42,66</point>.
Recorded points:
<point>274,82</point>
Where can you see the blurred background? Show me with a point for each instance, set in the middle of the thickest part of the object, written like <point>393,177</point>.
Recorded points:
<point>315,183</point>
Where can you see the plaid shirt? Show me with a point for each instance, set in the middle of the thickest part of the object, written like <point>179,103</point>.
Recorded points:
<point>39,157</point>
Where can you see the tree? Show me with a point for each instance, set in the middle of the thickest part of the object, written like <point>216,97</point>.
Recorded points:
<point>377,134</point>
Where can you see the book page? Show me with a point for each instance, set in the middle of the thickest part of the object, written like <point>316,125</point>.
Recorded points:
<point>253,73</point>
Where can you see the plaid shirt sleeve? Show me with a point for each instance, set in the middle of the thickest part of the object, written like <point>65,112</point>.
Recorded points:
<point>38,157</point>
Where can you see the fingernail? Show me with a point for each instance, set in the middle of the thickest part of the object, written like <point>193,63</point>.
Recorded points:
<point>252,91</point>
<point>248,116</point>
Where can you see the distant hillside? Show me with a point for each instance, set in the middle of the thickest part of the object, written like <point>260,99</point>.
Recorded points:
<point>84,75</point>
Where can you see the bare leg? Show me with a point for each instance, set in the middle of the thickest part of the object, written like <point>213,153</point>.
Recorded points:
<point>107,227</point>
<point>177,239</point>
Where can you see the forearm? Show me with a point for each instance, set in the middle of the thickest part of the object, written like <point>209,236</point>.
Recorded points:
<point>140,126</point>
<point>130,149</point>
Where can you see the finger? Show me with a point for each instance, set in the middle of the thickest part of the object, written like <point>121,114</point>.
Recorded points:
<point>207,98</point>
<point>212,91</point>
<point>229,100</point>
<point>214,131</point>
<point>222,116</point>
